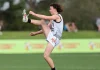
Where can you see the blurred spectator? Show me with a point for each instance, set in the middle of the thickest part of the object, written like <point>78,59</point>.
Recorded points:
<point>98,23</point>
<point>66,27</point>
<point>1,24</point>
<point>74,27</point>
<point>70,27</point>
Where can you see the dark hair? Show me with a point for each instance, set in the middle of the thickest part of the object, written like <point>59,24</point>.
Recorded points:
<point>57,7</point>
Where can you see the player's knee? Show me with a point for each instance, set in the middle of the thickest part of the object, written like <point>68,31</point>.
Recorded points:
<point>42,22</point>
<point>45,56</point>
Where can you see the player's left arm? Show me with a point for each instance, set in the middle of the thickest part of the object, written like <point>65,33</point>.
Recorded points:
<point>53,17</point>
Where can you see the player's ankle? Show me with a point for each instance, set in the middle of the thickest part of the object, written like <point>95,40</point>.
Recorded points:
<point>53,68</point>
<point>29,21</point>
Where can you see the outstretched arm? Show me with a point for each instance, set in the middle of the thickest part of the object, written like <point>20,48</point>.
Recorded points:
<point>36,33</point>
<point>54,17</point>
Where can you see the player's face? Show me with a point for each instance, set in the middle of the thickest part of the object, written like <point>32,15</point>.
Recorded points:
<point>52,10</point>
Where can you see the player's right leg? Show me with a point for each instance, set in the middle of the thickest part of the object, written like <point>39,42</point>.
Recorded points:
<point>42,23</point>
<point>45,27</point>
<point>27,20</point>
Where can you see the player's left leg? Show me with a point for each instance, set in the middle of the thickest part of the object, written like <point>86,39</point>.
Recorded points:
<point>47,57</point>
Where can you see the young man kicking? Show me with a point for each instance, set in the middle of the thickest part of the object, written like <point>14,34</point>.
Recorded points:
<point>52,31</point>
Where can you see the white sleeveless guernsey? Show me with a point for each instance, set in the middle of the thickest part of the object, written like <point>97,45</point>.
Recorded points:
<point>57,27</point>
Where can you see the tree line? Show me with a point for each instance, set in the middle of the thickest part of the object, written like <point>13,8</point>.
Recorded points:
<point>83,12</point>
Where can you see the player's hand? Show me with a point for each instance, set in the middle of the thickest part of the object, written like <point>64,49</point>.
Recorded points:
<point>33,33</point>
<point>31,12</point>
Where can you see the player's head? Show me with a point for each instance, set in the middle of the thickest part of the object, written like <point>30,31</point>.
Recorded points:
<point>55,8</point>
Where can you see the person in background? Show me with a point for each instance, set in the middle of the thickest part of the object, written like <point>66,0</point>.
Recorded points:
<point>98,24</point>
<point>70,27</point>
<point>1,24</point>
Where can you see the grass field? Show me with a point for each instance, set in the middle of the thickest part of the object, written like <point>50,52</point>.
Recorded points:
<point>62,61</point>
<point>66,35</point>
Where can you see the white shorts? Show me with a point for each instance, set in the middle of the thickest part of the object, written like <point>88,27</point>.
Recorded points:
<point>52,39</point>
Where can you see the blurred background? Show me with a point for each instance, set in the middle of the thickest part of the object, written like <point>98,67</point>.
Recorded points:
<point>84,13</point>
<point>80,44</point>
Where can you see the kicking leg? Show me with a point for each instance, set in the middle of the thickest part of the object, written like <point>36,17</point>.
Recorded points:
<point>35,22</point>
<point>45,27</point>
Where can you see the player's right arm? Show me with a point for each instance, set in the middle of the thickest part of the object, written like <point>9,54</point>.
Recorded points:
<point>53,17</point>
<point>40,31</point>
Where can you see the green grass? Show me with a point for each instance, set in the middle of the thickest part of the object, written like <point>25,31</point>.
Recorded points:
<point>66,35</point>
<point>67,61</point>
